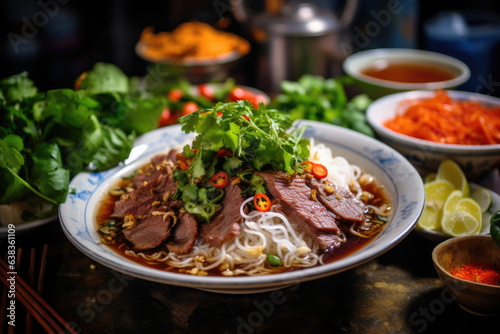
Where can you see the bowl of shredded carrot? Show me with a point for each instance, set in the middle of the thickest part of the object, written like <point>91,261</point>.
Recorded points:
<point>469,267</point>
<point>195,50</point>
<point>430,126</point>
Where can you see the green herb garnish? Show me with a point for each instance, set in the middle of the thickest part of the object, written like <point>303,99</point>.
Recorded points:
<point>495,227</point>
<point>257,138</point>
<point>47,138</point>
<point>319,99</point>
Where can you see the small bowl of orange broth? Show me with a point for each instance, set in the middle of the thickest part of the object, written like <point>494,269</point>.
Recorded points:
<point>380,72</point>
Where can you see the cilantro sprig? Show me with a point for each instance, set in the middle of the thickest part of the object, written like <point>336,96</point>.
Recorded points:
<point>257,136</point>
<point>48,137</point>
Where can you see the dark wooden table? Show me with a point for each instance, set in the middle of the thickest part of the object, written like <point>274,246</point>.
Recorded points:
<point>398,292</point>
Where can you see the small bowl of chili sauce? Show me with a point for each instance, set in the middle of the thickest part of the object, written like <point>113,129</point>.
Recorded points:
<point>380,72</point>
<point>469,267</point>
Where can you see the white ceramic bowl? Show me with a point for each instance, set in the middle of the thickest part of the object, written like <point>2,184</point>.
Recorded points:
<point>399,178</point>
<point>475,160</point>
<point>194,70</point>
<point>360,61</point>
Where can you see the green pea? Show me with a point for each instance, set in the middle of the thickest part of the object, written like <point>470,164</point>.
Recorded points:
<point>273,260</point>
<point>110,223</point>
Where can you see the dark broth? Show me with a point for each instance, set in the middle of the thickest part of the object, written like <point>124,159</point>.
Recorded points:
<point>352,245</point>
<point>409,73</point>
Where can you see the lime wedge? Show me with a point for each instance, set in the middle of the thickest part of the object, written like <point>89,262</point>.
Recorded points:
<point>459,223</point>
<point>436,194</point>
<point>430,177</point>
<point>430,219</point>
<point>451,202</point>
<point>451,171</point>
<point>483,197</point>
<point>470,206</point>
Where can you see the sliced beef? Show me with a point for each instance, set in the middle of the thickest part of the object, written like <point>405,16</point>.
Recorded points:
<point>226,224</point>
<point>142,209</point>
<point>159,159</point>
<point>159,165</point>
<point>184,235</point>
<point>294,198</point>
<point>131,200</point>
<point>172,154</point>
<point>149,233</point>
<point>145,193</point>
<point>338,200</point>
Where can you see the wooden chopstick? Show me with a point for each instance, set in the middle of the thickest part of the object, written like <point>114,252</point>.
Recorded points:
<point>41,274</point>
<point>45,315</point>
<point>3,310</point>
<point>31,280</point>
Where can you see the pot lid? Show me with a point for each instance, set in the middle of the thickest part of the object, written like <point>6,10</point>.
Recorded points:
<point>300,20</point>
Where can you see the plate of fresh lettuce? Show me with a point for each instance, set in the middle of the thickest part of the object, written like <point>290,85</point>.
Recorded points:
<point>46,138</point>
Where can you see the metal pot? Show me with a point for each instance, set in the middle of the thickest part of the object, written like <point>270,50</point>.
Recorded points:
<point>297,39</point>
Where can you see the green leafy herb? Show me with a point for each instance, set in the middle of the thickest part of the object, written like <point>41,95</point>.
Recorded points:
<point>105,78</point>
<point>10,152</point>
<point>50,177</point>
<point>315,98</point>
<point>495,227</point>
<point>17,88</point>
<point>255,183</point>
<point>203,208</point>
<point>261,141</point>
<point>46,138</point>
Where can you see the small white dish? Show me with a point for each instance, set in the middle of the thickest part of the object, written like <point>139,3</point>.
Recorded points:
<point>437,237</point>
<point>401,181</point>
<point>356,63</point>
<point>475,160</point>
<point>26,226</point>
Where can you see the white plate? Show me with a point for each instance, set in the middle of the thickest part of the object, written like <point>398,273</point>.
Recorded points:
<point>438,237</point>
<point>27,226</point>
<point>400,179</point>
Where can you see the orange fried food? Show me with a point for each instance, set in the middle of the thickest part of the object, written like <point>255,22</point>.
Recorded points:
<point>191,40</point>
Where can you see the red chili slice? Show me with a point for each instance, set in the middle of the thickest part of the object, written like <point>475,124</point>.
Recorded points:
<point>262,202</point>
<point>186,162</point>
<point>79,80</point>
<point>219,180</point>
<point>222,152</point>
<point>319,171</point>
<point>308,165</point>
